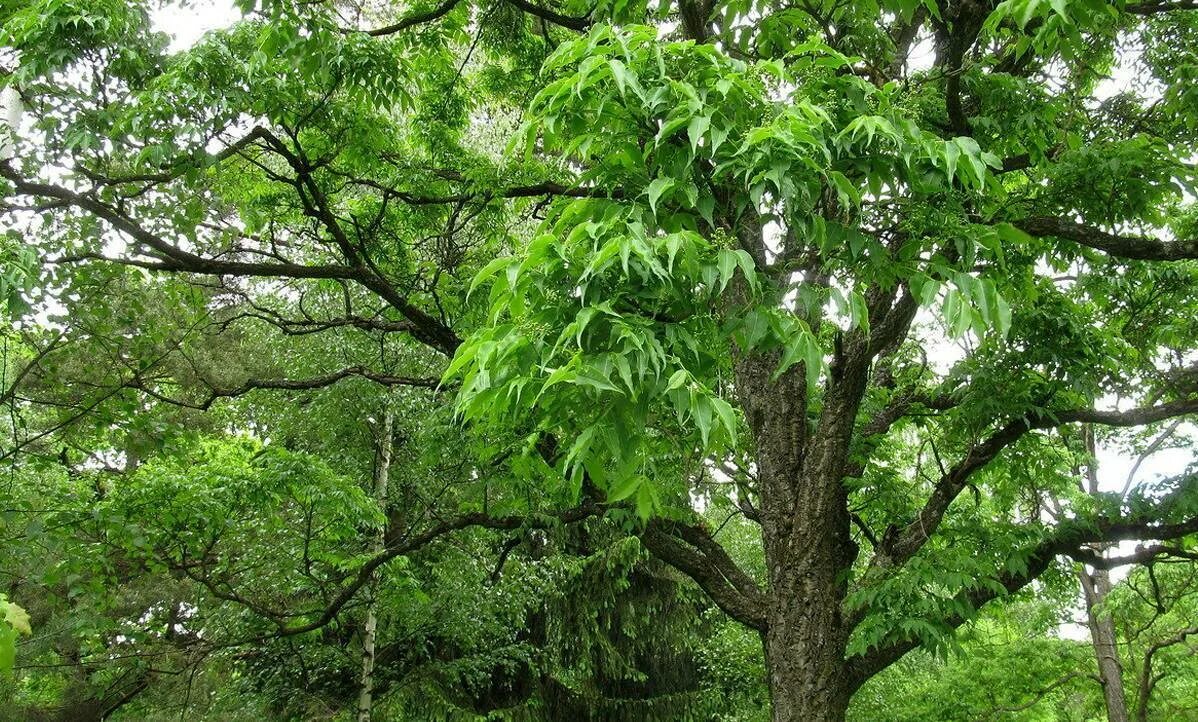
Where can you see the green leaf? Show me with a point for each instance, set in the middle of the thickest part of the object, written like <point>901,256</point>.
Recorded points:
<point>16,617</point>
<point>626,488</point>
<point>802,347</point>
<point>702,410</point>
<point>748,267</point>
<point>727,417</point>
<point>696,129</point>
<point>952,152</point>
<point>659,186</point>
<point>726,262</point>
<point>594,378</point>
<point>646,500</point>
<point>1002,315</point>
<point>464,355</point>
<point>858,311</point>
<point>8,649</point>
<point>677,380</point>
<point>489,270</point>
<point>622,75</point>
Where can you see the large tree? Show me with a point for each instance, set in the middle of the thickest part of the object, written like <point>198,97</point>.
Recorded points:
<point>855,264</point>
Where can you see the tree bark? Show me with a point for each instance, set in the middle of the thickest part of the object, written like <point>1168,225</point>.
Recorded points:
<point>808,547</point>
<point>369,627</point>
<point>1096,586</point>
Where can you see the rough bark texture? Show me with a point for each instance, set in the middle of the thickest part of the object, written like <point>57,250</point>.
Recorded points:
<point>805,530</point>
<point>381,475</point>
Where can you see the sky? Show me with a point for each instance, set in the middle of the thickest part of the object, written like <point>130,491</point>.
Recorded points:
<point>186,23</point>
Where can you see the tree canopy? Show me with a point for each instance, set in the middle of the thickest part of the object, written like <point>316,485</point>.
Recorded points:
<point>550,358</point>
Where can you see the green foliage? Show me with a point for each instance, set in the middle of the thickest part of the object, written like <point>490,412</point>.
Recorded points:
<point>14,623</point>
<point>721,272</point>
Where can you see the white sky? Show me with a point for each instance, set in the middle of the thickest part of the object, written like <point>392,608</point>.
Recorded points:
<point>185,24</point>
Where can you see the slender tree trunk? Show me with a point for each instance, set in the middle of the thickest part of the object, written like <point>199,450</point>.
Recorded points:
<point>1096,586</point>
<point>381,473</point>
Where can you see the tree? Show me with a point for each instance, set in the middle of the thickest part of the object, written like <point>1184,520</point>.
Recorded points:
<point>1096,581</point>
<point>1095,587</point>
<point>1155,607</point>
<point>754,242</point>
<point>1010,667</point>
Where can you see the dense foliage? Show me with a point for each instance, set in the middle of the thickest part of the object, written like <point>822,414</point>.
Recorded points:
<point>557,359</point>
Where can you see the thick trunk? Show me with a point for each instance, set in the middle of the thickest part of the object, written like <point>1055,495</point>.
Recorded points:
<point>805,531</point>
<point>801,455</point>
<point>370,626</point>
<point>805,658</point>
<point>806,638</point>
<point>1096,586</point>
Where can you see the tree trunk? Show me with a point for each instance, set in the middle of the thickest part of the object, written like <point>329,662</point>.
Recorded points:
<point>806,638</point>
<point>381,474</point>
<point>1096,586</point>
<point>808,546</point>
<point>805,662</point>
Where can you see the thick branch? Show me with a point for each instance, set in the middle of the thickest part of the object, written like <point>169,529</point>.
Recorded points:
<point>315,382</point>
<point>1130,247</point>
<point>171,258</point>
<point>1067,540</point>
<point>1141,555</point>
<point>900,545</point>
<point>690,550</point>
<point>565,21</point>
<point>415,19</point>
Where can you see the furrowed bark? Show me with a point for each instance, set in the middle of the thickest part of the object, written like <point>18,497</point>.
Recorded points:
<point>1096,586</point>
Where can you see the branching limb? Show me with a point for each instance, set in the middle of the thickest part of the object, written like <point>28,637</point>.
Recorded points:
<point>171,258</point>
<point>414,542</point>
<point>415,19</point>
<point>902,544</point>
<point>692,551</point>
<point>1141,248</point>
<point>307,384</point>
<point>1066,540</point>
<point>1147,680</point>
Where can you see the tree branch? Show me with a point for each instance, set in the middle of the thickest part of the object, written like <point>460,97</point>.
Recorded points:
<point>1067,540</point>
<point>412,543</point>
<point>1129,247</point>
<point>1147,681</point>
<point>692,551</point>
<point>171,258</point>
<point>315,382</point>
<point>899,545</point>
<point>565,21</point>
<point>415,19</point>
